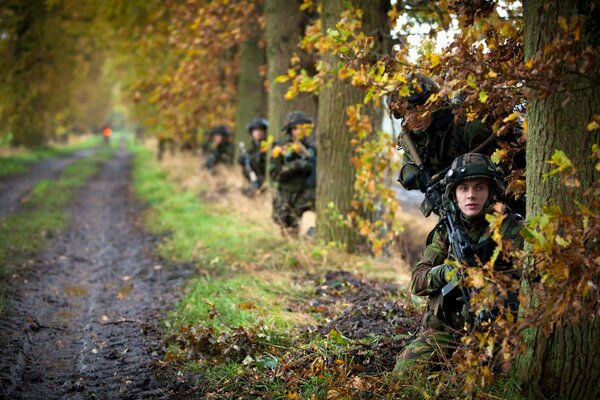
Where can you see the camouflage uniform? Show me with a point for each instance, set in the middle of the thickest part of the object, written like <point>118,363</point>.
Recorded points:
<point>294,174</point>
<point>445,139</point>
<point>442,142</point>
<point>256,157</point>
<point>441,330</point>
<point>218,153</point>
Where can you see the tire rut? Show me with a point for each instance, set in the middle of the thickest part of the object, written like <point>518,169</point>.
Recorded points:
<point>84,322</point>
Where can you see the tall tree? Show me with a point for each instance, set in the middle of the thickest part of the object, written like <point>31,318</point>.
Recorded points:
<point>252,97</point>
<point>336,172</point>
<point>563,364</point>
<point>285,23</point>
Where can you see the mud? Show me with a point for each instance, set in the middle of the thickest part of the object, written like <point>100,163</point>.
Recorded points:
<point>14,189</point>
<point>369,309</point>
<point>84,318</point>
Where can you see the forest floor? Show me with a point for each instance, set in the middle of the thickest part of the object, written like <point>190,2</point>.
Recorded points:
<point>153,269</point>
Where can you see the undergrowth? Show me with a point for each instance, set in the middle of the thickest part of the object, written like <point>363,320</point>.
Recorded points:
<point>41,215</point>
<point>271,318</point>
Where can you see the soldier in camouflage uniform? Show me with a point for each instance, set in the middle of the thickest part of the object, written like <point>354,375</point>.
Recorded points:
<point>444,139</point>
<point>254,161</point>
<point>219,148</point>
<point>474,184</point>
<point>293,170</point>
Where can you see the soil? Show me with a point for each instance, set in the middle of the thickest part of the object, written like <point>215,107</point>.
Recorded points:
<point>14,189</point>
<point>84,317</point>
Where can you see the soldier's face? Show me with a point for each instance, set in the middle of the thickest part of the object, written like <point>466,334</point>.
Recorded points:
<point>217,139</point>
<point>258,135</point>
<point>471,196</point>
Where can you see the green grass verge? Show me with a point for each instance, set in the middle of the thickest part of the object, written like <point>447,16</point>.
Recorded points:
<point>234,330</point>
<point>20,163</point>
<point>196,232</point>
<point>43,214</point>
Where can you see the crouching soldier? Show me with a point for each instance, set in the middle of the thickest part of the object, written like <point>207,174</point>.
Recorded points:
<point>254,162</point>
<point>218,148</point>
<point>293,171</point>
<point>473,185</point>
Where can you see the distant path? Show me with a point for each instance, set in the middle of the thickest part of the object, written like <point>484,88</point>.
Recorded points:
<point>84,320</point>
<point>15,188</point>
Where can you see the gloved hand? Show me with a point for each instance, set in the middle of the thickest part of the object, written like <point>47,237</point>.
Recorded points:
<point>440,275</point>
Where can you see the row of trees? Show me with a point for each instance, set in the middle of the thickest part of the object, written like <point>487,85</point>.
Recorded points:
<point>52,69</point>
<point>544,56</point>
<point>185,66</point>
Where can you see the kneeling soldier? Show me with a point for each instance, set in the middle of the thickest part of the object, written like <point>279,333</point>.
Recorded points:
<point>293,170</point>
<point>473,185</point>
<point>254,162</point>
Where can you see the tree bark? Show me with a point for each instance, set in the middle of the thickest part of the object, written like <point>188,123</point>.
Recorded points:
<point>335,172</point>
<point>564,364</point>
<point>252,97</point>
<point>285,24</point>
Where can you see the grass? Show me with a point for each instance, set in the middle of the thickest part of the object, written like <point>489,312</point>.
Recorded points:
<point>42,214</point>
<point>242,329</point>
<point>250,279</point>
<point>15,162</point>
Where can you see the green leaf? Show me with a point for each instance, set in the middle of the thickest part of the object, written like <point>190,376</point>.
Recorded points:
<point>561,161</point>
<point>483,96</point>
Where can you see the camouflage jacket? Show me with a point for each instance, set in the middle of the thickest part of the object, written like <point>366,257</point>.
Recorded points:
<point>292,169</point>
<point>258,162</point>
<point>446,139</point>
<point>438,250</point>
<point>223,153</point>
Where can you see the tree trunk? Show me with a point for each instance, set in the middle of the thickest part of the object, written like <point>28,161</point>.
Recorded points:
<point>252,98</point>
<point>285,24</point>
<point>26,123</point>
<point>335,171</point>
<point>565,364</point>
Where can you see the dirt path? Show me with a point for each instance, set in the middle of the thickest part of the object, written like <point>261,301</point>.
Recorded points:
<point>15,188</point>
<point>83,321</point>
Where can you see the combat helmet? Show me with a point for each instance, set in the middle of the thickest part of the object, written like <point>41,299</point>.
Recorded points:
<point>220,130</point>
<point>421,87</point>
<point>295,118</point>
<point>471,166</point>
<point>258,123</point>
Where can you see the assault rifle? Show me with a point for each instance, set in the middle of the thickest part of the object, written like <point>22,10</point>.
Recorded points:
<point>245,161</point>
<point>435,201</point>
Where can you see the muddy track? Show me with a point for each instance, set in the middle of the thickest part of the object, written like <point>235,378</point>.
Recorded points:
<point>15,188</point>
<point>84,319</point>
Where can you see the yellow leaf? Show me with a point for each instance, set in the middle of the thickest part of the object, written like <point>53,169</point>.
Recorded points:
<point>434,59</point>
<point>512,117</point>
<point>592,125</point>
<point>492,74</point>
<point>476,278</point>
<point>562,21</point>
<point>498,155</point>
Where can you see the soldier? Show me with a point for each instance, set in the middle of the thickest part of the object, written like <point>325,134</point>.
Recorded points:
<point>473,185</point>
<point>254,162</point>
<point>219,148</point>
<point>445,138</point>
<point>293,171</point>
<point>165,141</point>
